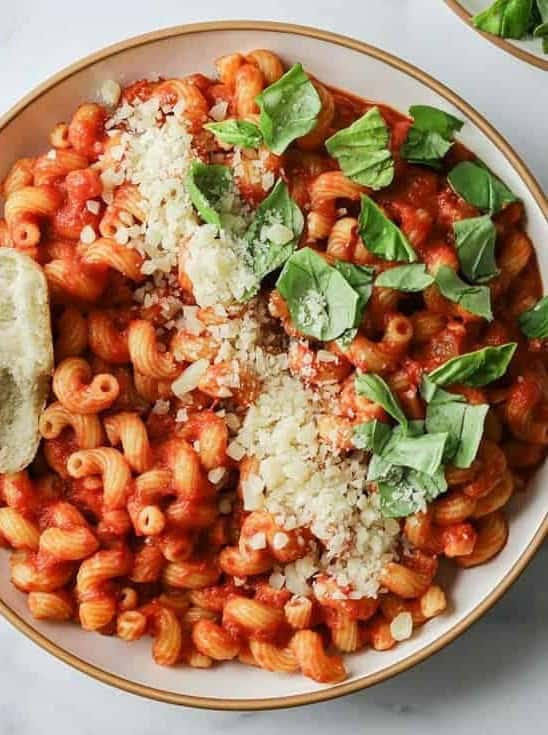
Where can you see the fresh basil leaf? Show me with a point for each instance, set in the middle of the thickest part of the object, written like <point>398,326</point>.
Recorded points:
<point>432,393</point>
<point>540,20</point>
<point>542,10</point>
<point>534,322</point>
<point>475,299</point>
<point>362,150</point>
<point>505,18</point>
<point>406,278</point>
<point>398,500</point>
<point>289,109</point>
<point>410,493</point>
<point>236,132</point>
<point>381,236</point>
<point>321,301</point>
<point>431,135</point>
<point>372,436</point>
<point>274,231</point>
<point>475,241</point>
<point>374,387</point>
<point>360,277</point>
<point>463,423</point>
<point>422,453</point>
<point>431,119</point>
<point>426,148</point>
<point>479,187</point>
<point>207,185</point>
<point>475,368</point>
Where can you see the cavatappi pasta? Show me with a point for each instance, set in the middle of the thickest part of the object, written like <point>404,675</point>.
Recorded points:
<point>222,463</point>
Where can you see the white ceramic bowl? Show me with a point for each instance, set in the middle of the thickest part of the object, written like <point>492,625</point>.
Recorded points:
<point>370,73</point>
<point>528,49</point>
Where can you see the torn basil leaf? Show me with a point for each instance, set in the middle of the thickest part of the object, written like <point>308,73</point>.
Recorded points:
<point>475,299</point>
<point>274,231</point>
<point>505,18</point>
<point>360,277</point>
<point>321,302</point>
<point>289,109</point>
<point>422,453</point>
<point>430,137</point>
<point>362,150</point>
<point>475,241</point>
<point>374,387</point>
<point>463,423</point>
<point>372,436</point>
<point>381,236</point>
<point>236,132</point>
<point>432,393</point>
<point>207,186</point>
<point>534,322</point>
<point>477,368</point>
<point>479,187</point>
<point>410,493</point>
<point>406,278</point>
<point>540,21</point>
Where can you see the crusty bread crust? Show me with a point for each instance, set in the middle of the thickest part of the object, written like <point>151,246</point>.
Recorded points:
<point>26,357</point>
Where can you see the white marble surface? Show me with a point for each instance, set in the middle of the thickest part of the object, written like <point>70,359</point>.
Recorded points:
<point>493,679</point>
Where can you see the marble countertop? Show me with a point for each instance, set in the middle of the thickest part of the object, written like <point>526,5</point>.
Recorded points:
<point>493,679</point>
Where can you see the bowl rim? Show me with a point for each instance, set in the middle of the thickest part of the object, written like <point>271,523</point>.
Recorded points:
<point>331,692</point>
<point>502,43</point>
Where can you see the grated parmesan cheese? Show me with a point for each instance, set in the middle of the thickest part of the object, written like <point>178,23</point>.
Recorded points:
<point>110,92</point>
<point>188,380</point>
<point>87,235</point>
<point>216,475</point>
<point>401,626</point>
<point>218,111</point>
<point>303,483</point>
<point>216,264</point>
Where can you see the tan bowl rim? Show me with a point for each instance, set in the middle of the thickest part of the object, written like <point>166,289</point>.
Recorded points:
<point>502,43</point>
<point>330,692</point>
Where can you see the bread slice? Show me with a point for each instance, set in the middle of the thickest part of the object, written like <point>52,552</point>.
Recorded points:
<point>26,357</point>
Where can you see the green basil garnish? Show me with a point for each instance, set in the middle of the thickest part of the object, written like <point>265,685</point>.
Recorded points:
<point>374,387</point>
<point>431,135</point>
<point>408,491</point>
<point>321,302</point>
<point>475,299</point>
<point>289,109</point>
<point>236,132</point>
<point>477,368</point>
<point>475,241</point>
<point>463,423</point>
<point>207,186</point>
<point>406,464</point>
<point>372,436</point>
<point>505,18</point>
<point>422,453</point>
<point>534,322</point>
<point>479,187</point>
<point>406,278</point>
<point>540,22</point>
<point>360,277</point>
<point>432,393</point>
<point>381,236</point>
<point>274,231</point>
<point>362,150</point>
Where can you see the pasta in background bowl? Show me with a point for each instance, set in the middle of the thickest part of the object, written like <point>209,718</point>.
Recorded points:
<point>147,143</point>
